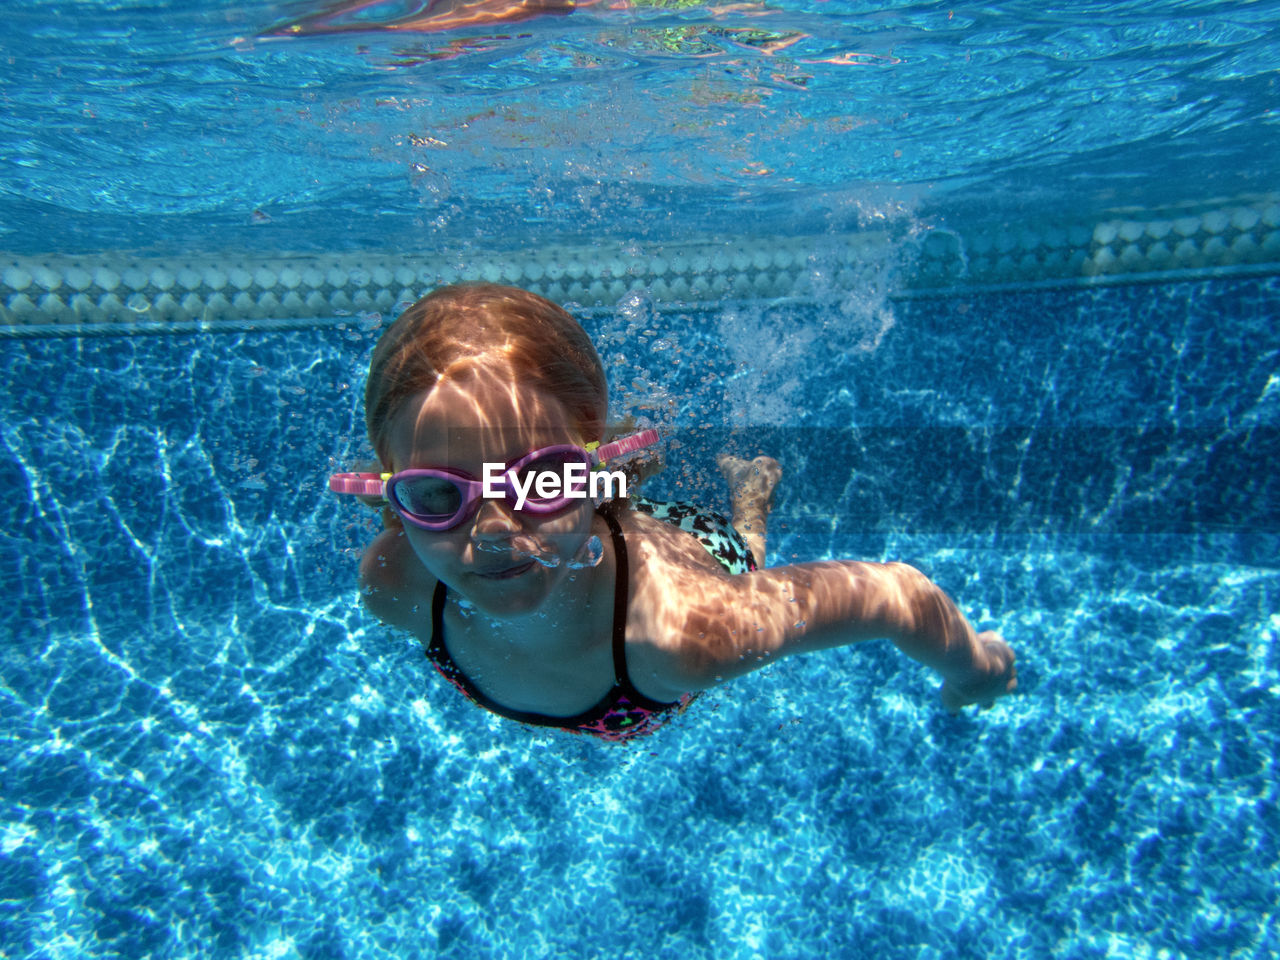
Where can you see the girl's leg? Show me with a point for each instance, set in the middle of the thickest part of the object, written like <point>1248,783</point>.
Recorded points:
<point>751,485</point>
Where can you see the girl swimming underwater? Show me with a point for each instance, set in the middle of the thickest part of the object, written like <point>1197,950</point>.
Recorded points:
<point>485,406</point>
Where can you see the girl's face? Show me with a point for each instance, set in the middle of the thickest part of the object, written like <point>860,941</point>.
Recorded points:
<point>462,424</point>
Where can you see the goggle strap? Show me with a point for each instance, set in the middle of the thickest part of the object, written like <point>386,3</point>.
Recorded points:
<point>360,484</point>
<point>616,448</point>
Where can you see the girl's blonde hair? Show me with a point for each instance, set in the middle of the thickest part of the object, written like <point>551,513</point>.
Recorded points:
<point>452,327</point>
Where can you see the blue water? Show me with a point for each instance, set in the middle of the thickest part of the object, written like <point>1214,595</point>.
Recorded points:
<point>166,126</point>
<point>207,748</point>
<point>211,750</point>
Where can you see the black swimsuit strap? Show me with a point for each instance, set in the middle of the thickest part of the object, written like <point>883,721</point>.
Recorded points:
<point>622,687</point>
<point>437,613</point>
<point>621,583</point>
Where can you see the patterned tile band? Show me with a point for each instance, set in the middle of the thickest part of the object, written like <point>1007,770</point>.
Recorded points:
<point>85,290</point>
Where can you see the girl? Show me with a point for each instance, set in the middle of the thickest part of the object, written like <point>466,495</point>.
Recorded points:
<point>546,608</point>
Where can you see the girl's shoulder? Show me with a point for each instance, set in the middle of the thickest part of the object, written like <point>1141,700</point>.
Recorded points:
<point>394,584</point>
<point>680,595</point>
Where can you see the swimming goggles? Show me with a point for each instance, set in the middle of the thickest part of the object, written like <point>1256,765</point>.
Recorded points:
<point>438,498</point>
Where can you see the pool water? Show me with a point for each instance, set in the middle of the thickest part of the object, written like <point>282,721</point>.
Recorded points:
<point>213,750</point>
<point>998,289</point>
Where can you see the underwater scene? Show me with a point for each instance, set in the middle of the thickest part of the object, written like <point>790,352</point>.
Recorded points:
<point>996,286</point>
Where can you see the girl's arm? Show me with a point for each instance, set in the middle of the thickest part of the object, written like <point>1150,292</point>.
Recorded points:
<point>729,626</point>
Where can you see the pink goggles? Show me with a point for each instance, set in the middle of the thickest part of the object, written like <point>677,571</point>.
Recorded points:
<point>440,498</point>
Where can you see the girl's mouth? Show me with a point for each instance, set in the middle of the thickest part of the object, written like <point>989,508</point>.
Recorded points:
<point>506,573</point>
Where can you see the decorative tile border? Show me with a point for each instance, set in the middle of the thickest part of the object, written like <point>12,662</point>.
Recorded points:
<point>60,293</point>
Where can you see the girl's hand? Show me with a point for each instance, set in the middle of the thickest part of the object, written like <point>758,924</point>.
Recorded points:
<point>992,674</point>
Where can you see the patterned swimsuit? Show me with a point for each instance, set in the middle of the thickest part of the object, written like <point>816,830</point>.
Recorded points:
<point>624,712</point>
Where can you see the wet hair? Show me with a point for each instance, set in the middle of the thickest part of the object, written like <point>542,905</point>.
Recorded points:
<point>454,329</point>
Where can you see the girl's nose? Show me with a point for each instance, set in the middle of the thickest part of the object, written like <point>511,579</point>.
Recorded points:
<point>495,520</point>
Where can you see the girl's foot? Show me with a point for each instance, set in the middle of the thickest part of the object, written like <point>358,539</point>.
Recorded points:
<point>751,486</point>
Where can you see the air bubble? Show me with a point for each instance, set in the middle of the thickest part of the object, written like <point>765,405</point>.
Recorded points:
<point>590,555</point>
